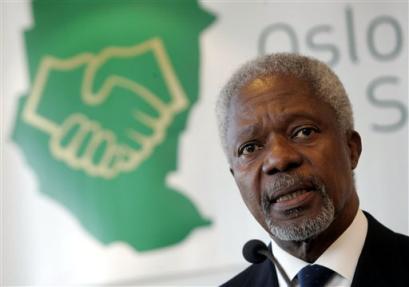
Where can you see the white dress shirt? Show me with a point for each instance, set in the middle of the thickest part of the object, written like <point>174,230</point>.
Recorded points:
<point>341,256</point>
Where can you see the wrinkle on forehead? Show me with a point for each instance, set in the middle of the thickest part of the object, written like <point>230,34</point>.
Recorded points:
<point>245,106</point>
<point>268,88</point>
<point>273,103</point>
<point>268,82</point>
<point>256,108</point>
<point>253,125</point>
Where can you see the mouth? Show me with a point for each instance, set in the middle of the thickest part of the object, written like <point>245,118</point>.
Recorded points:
<point>290,196</point>
<point>293,198</point>
<point>287,193</point>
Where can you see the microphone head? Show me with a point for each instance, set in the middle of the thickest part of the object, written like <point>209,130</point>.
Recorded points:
<point>251,251</point>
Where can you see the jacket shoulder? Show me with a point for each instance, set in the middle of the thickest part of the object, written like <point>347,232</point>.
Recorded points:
<point>262,274</point>
<point>384,258</point>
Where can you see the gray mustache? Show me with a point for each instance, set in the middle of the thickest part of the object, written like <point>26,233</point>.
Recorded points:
<point>285,181</point>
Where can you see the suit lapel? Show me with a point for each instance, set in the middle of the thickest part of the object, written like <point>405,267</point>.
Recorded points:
<point>372,266</point>
<point>266,275</point>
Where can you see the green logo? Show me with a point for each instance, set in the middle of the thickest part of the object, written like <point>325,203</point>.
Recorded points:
<point>112,83</point>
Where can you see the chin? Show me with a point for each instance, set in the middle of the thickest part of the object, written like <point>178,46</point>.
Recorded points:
<point>301,226</point>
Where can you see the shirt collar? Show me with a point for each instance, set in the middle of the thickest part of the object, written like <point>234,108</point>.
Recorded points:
<point>341,256</point>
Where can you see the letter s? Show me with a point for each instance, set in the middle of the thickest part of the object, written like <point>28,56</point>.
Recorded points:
<point>389,104</point>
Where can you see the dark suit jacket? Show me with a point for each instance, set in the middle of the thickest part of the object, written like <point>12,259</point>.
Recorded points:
<point>384,262</point>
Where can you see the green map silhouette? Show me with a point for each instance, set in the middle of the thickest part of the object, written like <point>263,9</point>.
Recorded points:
<point>105,157</point>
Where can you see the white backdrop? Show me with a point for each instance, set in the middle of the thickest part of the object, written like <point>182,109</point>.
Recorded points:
<point>367,47</point>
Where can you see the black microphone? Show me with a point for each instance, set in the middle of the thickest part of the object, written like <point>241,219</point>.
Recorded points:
<point>256,251</point>
<point>251,251</point>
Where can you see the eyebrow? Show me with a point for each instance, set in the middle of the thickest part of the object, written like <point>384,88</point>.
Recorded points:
<point>286,118</point>
<point>252,130</point>
<point>248,131</point>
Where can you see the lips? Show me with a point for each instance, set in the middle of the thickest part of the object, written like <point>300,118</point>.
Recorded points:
<point>285,192</point>
<point>293,199</point>
<point>290,196</point>
<point>289,192</point>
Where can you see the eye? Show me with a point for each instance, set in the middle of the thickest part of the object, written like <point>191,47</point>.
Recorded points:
<point>304,133</point>
<point>249,148</point>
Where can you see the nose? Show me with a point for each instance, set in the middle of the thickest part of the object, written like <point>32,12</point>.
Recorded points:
<point>281,157</point>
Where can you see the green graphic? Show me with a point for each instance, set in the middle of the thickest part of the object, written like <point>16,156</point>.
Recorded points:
<point>112,84</point>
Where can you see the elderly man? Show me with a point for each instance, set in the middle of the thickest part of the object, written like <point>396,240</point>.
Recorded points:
<point>287,129</point>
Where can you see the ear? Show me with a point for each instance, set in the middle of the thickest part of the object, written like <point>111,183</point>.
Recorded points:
<point>355,148</point>
<point>231,171</point>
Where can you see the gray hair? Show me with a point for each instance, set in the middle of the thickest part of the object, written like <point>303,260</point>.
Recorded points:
<point>323,80</point>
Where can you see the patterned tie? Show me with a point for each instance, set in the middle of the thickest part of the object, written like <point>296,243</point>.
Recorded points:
<point>314,276</point>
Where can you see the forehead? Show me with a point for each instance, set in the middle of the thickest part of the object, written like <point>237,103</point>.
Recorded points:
<point>276,99</point>
<point>273,90</point>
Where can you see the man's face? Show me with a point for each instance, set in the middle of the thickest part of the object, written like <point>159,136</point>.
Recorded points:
<point>290,159</point>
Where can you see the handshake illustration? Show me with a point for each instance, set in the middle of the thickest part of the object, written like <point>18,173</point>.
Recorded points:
<point>113,121</point>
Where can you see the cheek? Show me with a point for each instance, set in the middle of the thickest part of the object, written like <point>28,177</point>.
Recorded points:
<point>331,156</point>
<point>332,165</point>
<point>248,186</point>
<point>245,175</point>
<point>245,184</point>
<point>251,197</point>
<point>338,166</point>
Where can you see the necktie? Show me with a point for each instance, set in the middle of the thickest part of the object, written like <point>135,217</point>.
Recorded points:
<point>314,276</point>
